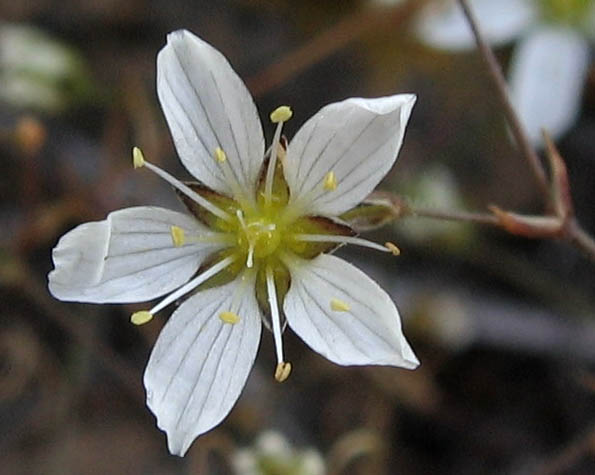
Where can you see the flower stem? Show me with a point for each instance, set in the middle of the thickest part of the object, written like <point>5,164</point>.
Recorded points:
<point>517,128</point>
<point>448,215</point>
<point>577,236</point>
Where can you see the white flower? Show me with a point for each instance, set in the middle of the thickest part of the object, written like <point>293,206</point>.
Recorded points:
<point>256,245</point>
<point>549,65</point>
<point>273,454</point>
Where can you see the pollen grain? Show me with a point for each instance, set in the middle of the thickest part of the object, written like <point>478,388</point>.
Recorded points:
<point>178,236</point>
<point>282,371</point>
<point>330,181</point>
<point>229,317</point>
<point>340,306</point>
<point>141,317</point>
<point>281,114</point>
<point>220,155</point>
<point>138,159</point>
<point>395,251</point>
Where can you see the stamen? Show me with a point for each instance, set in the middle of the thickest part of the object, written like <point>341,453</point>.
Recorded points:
<point>339,239</point>
<point>276,319</point>
<point>330,181</point>
<point>141,317</point>
<point>340,306</point>
<point>281,114</point>
<point>240,216</point>
<point>278,116</point>
<point>177,236</point>
<point>229,317</point>
<point>250,259</point>
<point>139,160</point>
<point>282,371</point>
<point>210,272</point>
<point>392,248</point>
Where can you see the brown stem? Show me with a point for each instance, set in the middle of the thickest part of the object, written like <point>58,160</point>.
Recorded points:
<point>328,42</point>
<point>447,215</point>
<point>579,238</point>
<point>15,273</point>
<point>495,73</point>
<point>570,455</point>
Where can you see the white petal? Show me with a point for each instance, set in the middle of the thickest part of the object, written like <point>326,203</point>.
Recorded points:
<point>207,106</point>
<point>129,257</point>
<point>356,139</point>
<point>547,74</point>
<point>444,26</point>
<point>368,333</point>
<point>199,365</point>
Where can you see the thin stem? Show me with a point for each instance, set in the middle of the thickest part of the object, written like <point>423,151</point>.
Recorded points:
<point>570,455</point>
<point>331,40</point>
<point>517,128</point>
<point>580,239</point>
<point>447,215</point>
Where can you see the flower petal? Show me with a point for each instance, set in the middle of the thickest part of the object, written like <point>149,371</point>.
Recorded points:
<point>547,74</point>
<point>207,106</point>
<point>445,26</point>
<point>355,142</point>
<point>200,364</point>
<point>364,328</point>
<point>128,257</point>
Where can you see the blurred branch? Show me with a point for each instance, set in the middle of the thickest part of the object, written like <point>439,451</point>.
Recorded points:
<point>560,222</point>
<point>568,457</point>
<point>448,215</point>
<point>495,73</point>
<point>352,446</point>
<point>349,29</point>
<point>580,239</point>
<point>14,273</point>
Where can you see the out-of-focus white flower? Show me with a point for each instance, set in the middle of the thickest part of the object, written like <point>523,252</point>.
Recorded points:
<point>39,72</point>
<point>272,454</point>
<point>549,65</point>
<point>257,244</point>
<point>546,77</point>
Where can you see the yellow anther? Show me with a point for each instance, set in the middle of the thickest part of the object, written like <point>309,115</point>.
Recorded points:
<point>392,248</point>
<point>220,155</point>
<point>141,317</point>
<point>281,114</point>
<point>330,181</point>
<point>177,236</point>
<point>340,306</point>
<point>138,159</point>
<point>229,317</point>
<point>282,371</point>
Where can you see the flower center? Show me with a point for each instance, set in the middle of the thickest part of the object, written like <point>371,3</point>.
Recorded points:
<point>257,237</point>
<point>261,234</point>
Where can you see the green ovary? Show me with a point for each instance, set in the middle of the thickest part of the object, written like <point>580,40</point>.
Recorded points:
<point>261,234</point>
